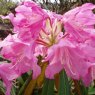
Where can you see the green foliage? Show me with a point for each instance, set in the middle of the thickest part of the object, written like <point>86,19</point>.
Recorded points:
<point>48,88</point>
<point>91,90</point>
<point>6,6</point>
<point>64,86</point>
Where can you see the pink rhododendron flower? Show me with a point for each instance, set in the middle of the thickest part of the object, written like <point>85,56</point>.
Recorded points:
<point>7,75</point>
<point>64,52</point>
<point>65,55</point>
<point>78,24</point>
<point>81,29</point>
<point>28,20</point>
<point>21,55</point>
<point>49,35</point>
<point>39,32</point>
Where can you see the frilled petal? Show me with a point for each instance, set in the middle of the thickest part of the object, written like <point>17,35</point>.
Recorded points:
<point>66,55</point>
<point>56,58</point>
<point>28,20</point>
<point>78,24</point>
<point>21,55</point>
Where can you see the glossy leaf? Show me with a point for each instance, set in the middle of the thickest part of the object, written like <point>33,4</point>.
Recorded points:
<point>48,88</point>
<point>64,86</point>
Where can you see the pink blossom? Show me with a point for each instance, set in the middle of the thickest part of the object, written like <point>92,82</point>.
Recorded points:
<point>7,75</point>
<point>21,55</point>
<point>65,55</point>
<point>65,52</point>
<point>80,27</point>
<point>28,20</point>
<point>78,24</point>
<point>50,34</point>
<point>38,32</point>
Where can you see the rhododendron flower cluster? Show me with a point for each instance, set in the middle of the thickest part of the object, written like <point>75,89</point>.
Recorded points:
<point>38,32</point>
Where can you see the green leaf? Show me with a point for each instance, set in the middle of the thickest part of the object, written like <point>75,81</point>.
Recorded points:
<point>64,86</point>
<point>2,89</point>
<point>51,87</point>
<point>45,87</point>
<point>48,88</point>
<point>20,79</point>
<point>13,91</point>
<point>24,86</point>
<point>84,90</point>
<point>91,91</point>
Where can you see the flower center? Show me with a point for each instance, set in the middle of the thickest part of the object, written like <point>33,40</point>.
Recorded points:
<point>51,33</point>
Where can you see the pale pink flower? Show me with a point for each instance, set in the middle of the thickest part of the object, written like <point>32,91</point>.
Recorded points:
<point>40,33</point>
<point>65,52</point>
<point>49,35</point>
<point>21,55</point>
<point>7,75</point>
<point>80,22</point>
<point>88,48</point>
<point>66,55</point>
<point>28,20</point>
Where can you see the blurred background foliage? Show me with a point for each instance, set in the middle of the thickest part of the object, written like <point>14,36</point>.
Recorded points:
<point>7,6</point>
<point>24,85</point>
